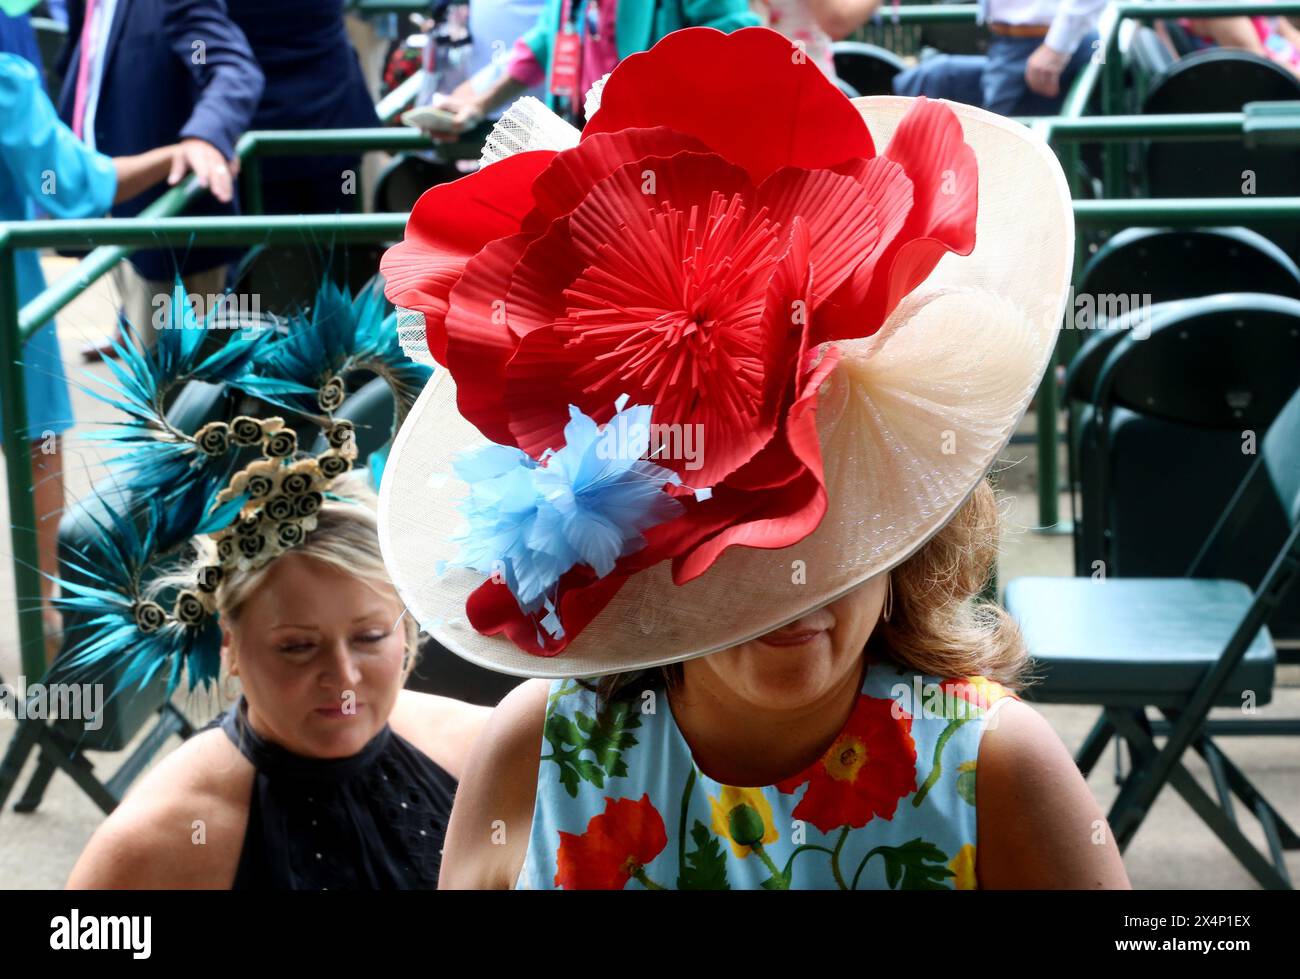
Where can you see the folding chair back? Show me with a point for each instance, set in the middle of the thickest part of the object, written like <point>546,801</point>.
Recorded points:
<point>1185,407</point>
<point>869,69</point>
<point>1161,264</point>
<point>1222,80</point>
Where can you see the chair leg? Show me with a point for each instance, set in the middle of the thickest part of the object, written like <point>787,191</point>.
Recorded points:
<point>170,721</point>
<point>1135,730</point>
<point>1094,744</point>
<point>1249,795</point>
<point>35,791</point>
<point>1128,812</point>
<point>15,758</point>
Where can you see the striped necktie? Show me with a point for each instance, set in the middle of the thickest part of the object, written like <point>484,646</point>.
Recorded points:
<point>88,55</point>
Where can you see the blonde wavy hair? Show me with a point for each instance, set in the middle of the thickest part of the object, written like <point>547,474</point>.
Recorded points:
<point>940,623</point>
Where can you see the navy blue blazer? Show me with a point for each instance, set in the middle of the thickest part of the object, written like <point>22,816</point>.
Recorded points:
<point>175,69</point>
<point>313,77</point>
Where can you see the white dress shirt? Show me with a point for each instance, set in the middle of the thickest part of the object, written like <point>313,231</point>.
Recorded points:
<point>1069,20</point>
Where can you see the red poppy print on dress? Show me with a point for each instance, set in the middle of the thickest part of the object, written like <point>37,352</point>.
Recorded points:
<point>864,773</point>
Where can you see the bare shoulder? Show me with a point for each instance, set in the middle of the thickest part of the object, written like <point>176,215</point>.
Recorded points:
<point>444,729</point>
<point>181,825</point>
<point>1039,824</point>
<point>487,838</point>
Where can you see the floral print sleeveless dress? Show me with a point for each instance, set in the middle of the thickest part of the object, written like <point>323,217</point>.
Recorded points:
<point>891,804</point>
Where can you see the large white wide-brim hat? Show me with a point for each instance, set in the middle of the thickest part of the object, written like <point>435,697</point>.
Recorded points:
<point>910,421</point>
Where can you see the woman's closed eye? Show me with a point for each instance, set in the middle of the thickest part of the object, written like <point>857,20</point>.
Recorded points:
<point>304,645</point>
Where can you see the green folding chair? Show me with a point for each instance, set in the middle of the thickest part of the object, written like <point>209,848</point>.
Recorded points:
<point>1182,646</point>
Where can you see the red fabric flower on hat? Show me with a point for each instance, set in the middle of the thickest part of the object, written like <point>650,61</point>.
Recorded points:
<point>616,847</point>
<point>863,774</point>
<point>693,251</point>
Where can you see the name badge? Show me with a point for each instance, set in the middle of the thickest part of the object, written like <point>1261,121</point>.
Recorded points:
<point>564,64</point>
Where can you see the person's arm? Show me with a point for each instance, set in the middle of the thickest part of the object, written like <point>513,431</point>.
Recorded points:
<point>178,827</point>
<point>136,174</point>
<point>1229,32</point>
<point>525,68</point>
<point>63,176</point>
<point>491,820</point>
<point>840,18</point>
<point>1039,825</point>
<point>1073,20</point>
<point>218,57</point>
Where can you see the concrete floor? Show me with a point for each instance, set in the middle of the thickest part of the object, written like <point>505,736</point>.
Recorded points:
<point>1173,849</point>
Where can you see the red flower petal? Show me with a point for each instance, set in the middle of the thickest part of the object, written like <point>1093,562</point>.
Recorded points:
<point>479,342</point>
<point>941,166</point>
<point>616,844</point>
<point>572,173</point>
<point>840,213</point>
<point>449,224</point>
<point>788,513</point>
<point>868,769</point>
<point>669,311</point>
<point>492,610</point>
<point>763,108</point>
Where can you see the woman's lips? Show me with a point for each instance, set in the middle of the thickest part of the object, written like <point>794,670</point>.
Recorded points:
<point>791,638</point>
<point>340,713</point>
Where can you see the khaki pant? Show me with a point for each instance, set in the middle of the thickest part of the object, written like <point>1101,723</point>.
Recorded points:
<point>146,303</point>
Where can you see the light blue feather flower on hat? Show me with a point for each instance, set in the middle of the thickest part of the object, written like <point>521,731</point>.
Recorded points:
<point>588,503</point>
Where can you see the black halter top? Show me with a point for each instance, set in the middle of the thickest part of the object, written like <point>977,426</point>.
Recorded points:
<point>373,821</point>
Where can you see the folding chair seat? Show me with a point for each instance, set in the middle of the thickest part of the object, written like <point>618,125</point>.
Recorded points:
<point>1137,641</point>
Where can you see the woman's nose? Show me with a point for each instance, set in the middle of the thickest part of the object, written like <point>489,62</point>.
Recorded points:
<point>340,666</point>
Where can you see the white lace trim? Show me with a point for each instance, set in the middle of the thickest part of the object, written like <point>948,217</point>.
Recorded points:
<point>412,335</point>
<point>527,125</point>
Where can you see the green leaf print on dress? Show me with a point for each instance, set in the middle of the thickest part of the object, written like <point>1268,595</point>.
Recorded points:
<point>605,736</point>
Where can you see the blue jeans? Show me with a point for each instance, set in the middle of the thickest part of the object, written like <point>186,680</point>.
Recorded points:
<point>956,77</point>
<point>1003,83</point>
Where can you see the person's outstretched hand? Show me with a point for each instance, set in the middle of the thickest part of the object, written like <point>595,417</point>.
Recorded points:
<point>467,113</point>
<point>1043,71</point>
<point>207,163</point>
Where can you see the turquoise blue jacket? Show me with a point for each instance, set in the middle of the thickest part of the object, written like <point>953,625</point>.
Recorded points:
<point>640,24</point>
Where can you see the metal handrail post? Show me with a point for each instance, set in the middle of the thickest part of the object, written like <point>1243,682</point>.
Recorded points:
<point>18,471</point>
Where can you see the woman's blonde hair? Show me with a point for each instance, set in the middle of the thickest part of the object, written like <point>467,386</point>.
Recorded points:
<point>939,623</point>
<point>346,537</point>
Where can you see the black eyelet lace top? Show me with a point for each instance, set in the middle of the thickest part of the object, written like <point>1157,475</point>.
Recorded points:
<point>372,821</point>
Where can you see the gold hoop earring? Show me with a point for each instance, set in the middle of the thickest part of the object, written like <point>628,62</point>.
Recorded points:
<point>889,598</point>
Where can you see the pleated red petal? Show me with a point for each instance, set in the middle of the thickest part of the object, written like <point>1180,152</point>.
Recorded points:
<point>572,173</point>
<point>764,106</point>
<point>479,340</point>
<point>451,223</point>
<point>929,147</point>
